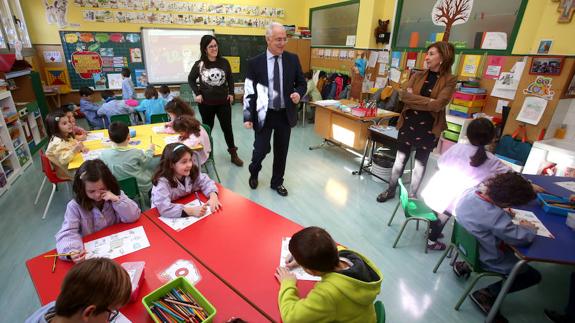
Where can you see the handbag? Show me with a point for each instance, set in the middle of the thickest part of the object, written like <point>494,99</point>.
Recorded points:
<point>513,149</point>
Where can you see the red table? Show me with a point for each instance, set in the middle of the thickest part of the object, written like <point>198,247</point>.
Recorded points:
<point>240,244</point>
<point>162,252</point>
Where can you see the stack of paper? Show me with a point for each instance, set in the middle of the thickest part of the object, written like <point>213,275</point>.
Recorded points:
<point>325,103</point>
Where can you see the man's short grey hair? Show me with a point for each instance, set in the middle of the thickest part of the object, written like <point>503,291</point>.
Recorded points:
<point>271,26</point>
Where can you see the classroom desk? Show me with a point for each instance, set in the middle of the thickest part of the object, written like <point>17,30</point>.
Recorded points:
<point>558,250</point>
<point>162,252</point>
<point>240,244</point>
<point>144,133</point>
<point>334,125</point>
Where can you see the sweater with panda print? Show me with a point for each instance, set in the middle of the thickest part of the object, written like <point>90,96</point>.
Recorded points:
<point>213,80</point>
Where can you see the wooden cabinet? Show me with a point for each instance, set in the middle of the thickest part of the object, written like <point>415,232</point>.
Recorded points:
<point>302,48</point>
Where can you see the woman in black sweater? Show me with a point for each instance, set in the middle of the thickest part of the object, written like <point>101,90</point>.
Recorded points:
<point>211,80</point>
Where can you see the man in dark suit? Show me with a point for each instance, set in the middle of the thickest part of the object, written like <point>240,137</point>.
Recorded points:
<point>274,86</point>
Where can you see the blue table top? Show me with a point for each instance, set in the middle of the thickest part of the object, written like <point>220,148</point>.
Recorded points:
<point>562,248</point>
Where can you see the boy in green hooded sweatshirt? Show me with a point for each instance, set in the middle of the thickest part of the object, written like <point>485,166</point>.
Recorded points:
<point>348,287</point>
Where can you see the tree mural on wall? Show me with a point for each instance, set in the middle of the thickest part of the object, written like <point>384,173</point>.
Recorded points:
<point>449,13</point>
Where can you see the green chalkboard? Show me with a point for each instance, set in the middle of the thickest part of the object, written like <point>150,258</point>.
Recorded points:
<point>245,47</point>
<point>96,58</point>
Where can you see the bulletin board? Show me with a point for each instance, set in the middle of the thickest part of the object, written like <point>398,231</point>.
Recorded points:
<point>96,59</point>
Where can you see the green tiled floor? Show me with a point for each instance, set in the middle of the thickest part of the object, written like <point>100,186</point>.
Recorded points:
<point>322,192</point>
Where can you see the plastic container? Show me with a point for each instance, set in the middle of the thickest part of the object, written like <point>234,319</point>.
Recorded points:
<point>132,133</point>
<point>545,199</point>
<point>136,272</point>
<point>184,284</point>
<point>469,96</point>
<point>453,136</point>
<point>445,144</point>
<point>464,109</point>
<point>453,127</point>
<point>470,104</point>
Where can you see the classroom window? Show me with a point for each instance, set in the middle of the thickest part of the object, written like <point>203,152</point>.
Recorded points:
<point>13,25</point>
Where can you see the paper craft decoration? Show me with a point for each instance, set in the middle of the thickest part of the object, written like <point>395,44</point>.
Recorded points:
<point>178,224</point>
<point>494,40</point>
<point>532,110</point>
<point>299,273</point>
<point>57,77</point>
<point>106,52</point>
<point>86,63</point>
<point>541,87</point>
<point>470,65</point>
<point>181,268</point>
<point>528,216</point>
<point>114,81</point>
<point>494,67</point>
<point>395,59</point>
<point>449,13</point>
<point>117,244</point>
<point>567,185</point>
<point>52,56</point>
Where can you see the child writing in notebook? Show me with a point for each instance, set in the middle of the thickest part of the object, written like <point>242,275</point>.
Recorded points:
<point>125,161</point>
<point>176,177</point>
<point>174,109</point>
<point>482,211</point>
<point>98,203</point>
<point>92,291</point>
<point>349,281</point>
<point>79,133</point>
<point>193,134</point>
<point>62,146</point>
<point>152,104</point>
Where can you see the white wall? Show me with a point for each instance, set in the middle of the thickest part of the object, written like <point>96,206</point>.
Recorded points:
<point>564,114</point>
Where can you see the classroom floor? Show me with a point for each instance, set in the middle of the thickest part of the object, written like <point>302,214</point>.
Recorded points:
<point>315,179</point>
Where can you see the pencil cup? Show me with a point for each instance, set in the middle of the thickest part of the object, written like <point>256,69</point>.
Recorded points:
<point>132,133</point>
<point>570,221</point>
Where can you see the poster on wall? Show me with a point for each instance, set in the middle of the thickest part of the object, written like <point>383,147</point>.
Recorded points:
<point>494,67</point>
<point>135,55</point>
<point>114,81</point>
<point>141,78</point>
<point>56,12</point>
<point>86,63</point>
<point>52,56</point>
<point>532,110</point>
<point>470,65</point>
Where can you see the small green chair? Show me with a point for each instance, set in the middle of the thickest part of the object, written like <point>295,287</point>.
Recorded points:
<point>157,118</point>
<point>380,312</point>
<point>467,247</point>
<point>124,118</point>
<point>211,157</point>
<point>414,210</point>
<point>187,94</point>
<point>129,186</point>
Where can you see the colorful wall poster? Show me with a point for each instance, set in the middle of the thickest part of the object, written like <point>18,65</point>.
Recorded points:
<point>470,65</point>
<point>86,63</point>
<point>541,87</point>
<point>114,81</point>
<point>99,81</point>
<point>234,63</point>
<point>493,67</point>
<point>141,78</point>
<point>135,55</point>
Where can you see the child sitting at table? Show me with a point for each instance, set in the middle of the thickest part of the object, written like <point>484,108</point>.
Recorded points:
<point>152,104</point>
<point>98,203</point>
<point>113,107</point>
<point>62,146</point>
<point>125,161</point>
<point>165,92</point>
<point>349,281</point>
<point>193,134</point>
<point>92,291</point>
<point>483,212</point>
<point>79,133</point>
<point>174,109</point>
<point>177,177</point>
<point>89,108</point>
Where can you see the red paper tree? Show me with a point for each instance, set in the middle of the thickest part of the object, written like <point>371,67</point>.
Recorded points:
<point>451,12</point>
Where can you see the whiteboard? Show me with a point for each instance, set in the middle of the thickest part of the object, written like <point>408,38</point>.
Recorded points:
<point>169,54</point>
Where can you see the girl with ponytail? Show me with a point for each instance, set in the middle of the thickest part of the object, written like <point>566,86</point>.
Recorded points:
<point>463,166</point>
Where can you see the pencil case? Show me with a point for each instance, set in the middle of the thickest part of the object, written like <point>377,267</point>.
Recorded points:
<point>136,272</point>
<point>546,201</point>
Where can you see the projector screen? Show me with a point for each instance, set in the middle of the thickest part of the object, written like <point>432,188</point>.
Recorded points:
<point>169,54</point>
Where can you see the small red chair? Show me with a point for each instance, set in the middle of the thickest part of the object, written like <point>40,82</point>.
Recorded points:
<point>50,174</point>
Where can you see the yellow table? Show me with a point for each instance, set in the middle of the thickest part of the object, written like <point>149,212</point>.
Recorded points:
<point>144,134</point>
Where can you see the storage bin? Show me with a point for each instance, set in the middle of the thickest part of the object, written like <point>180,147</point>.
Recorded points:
<point>454,127</point>
<point>445,145</point>
<point>469,96</point>
<point>464,109</point>
<point>470,104</point>
<point>183,284</point>
<point>453,136</point>
<point>545,199</point>
<point>461,114</point>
